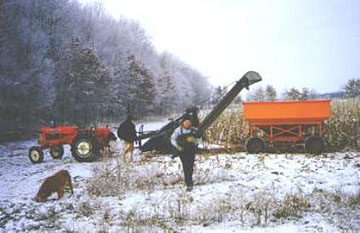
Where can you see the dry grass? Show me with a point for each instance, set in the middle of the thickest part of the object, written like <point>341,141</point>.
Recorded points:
<point>112,179</point>
<point>292,206</point>
<point>261,209</point>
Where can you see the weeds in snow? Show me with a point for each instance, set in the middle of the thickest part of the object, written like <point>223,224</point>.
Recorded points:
<point>293,205</point>
<point>113,179</point>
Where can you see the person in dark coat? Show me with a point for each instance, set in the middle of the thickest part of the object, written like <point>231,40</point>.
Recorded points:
<point>127,133</point>
<point>186,145</point>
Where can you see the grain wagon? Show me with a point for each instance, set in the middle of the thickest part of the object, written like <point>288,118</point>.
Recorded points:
<point>286,122</point>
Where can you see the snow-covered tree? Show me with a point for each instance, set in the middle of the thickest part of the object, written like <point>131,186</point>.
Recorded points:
<point>257,94</point>
<point>83,86</point>
<point>140,86</point>
<point>218,93</point>
<point>352,88</point>
<point>165,88</point>
<point>38,72</point>
<point>292,94</point>
<point>295,94</point>
<point>270,93</point>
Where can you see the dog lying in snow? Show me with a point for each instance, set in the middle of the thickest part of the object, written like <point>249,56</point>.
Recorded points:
<point>54,183</point>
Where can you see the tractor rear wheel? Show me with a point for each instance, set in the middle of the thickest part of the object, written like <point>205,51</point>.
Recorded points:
<point>255,145</point>
<point>57,152</point>
<point>36,155</point>
<point>315,145</point>
<point>85,148</point>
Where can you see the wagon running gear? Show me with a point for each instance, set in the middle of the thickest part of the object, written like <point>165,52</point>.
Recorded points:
<point>315,144</point>
<point>255,145</point>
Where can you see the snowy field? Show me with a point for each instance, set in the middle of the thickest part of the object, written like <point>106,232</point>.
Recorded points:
<point>232,193</point>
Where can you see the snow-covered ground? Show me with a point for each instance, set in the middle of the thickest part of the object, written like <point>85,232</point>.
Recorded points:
<point>232,193</point>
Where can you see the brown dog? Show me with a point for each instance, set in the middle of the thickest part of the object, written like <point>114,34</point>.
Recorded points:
<point>54,183</point>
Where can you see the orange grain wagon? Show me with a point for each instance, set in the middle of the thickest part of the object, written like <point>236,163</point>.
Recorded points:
<point>297,122</point>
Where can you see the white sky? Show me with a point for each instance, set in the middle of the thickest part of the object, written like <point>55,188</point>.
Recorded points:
<point>291,43</point>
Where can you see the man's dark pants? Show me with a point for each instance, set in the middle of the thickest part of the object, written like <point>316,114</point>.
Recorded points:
<point>187,158</point>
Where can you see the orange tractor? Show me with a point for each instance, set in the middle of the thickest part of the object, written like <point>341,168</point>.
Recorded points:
<point>286,122</point>
<point>85,143</point>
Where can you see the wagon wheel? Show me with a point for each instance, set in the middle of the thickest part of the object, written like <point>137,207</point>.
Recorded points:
<point>255,145</point>
<point>57,152</point>
<point>315,145</point>
<point>85,148</point>
<point>36,155</point>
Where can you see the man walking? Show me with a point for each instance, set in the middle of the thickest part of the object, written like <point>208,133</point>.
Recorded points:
<point>186,144</point>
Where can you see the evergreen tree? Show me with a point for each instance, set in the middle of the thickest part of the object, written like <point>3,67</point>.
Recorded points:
<point>141,87</point>
<point>83,87</point>
<point>166,92</point>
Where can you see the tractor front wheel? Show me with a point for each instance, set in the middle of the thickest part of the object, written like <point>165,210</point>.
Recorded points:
<point>255,145</point>
<point>85,148</point>
<point>315,145</point>
<point>57,152</point>
<point>36,155</point>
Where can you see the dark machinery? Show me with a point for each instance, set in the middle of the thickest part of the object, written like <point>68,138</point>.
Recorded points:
<point>159,140</point>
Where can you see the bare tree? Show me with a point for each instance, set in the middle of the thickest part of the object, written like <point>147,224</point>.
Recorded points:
<point>257,94</point>
<point>304,94</point>
<point>270,93</point>
<point>293,94</point>
<point>352,88</point>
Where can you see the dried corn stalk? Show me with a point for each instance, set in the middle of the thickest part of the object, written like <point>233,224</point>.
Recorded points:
<point>228,129</point>
<point>343,128</point>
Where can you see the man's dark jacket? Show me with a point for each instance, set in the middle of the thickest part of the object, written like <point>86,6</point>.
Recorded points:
<point>127,131</point>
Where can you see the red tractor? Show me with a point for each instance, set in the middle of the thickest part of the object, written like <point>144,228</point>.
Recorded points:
<point>85,143</point>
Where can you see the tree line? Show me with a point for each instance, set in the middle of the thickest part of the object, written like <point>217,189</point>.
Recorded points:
<point>78,65</point>
<point>351,89</point>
